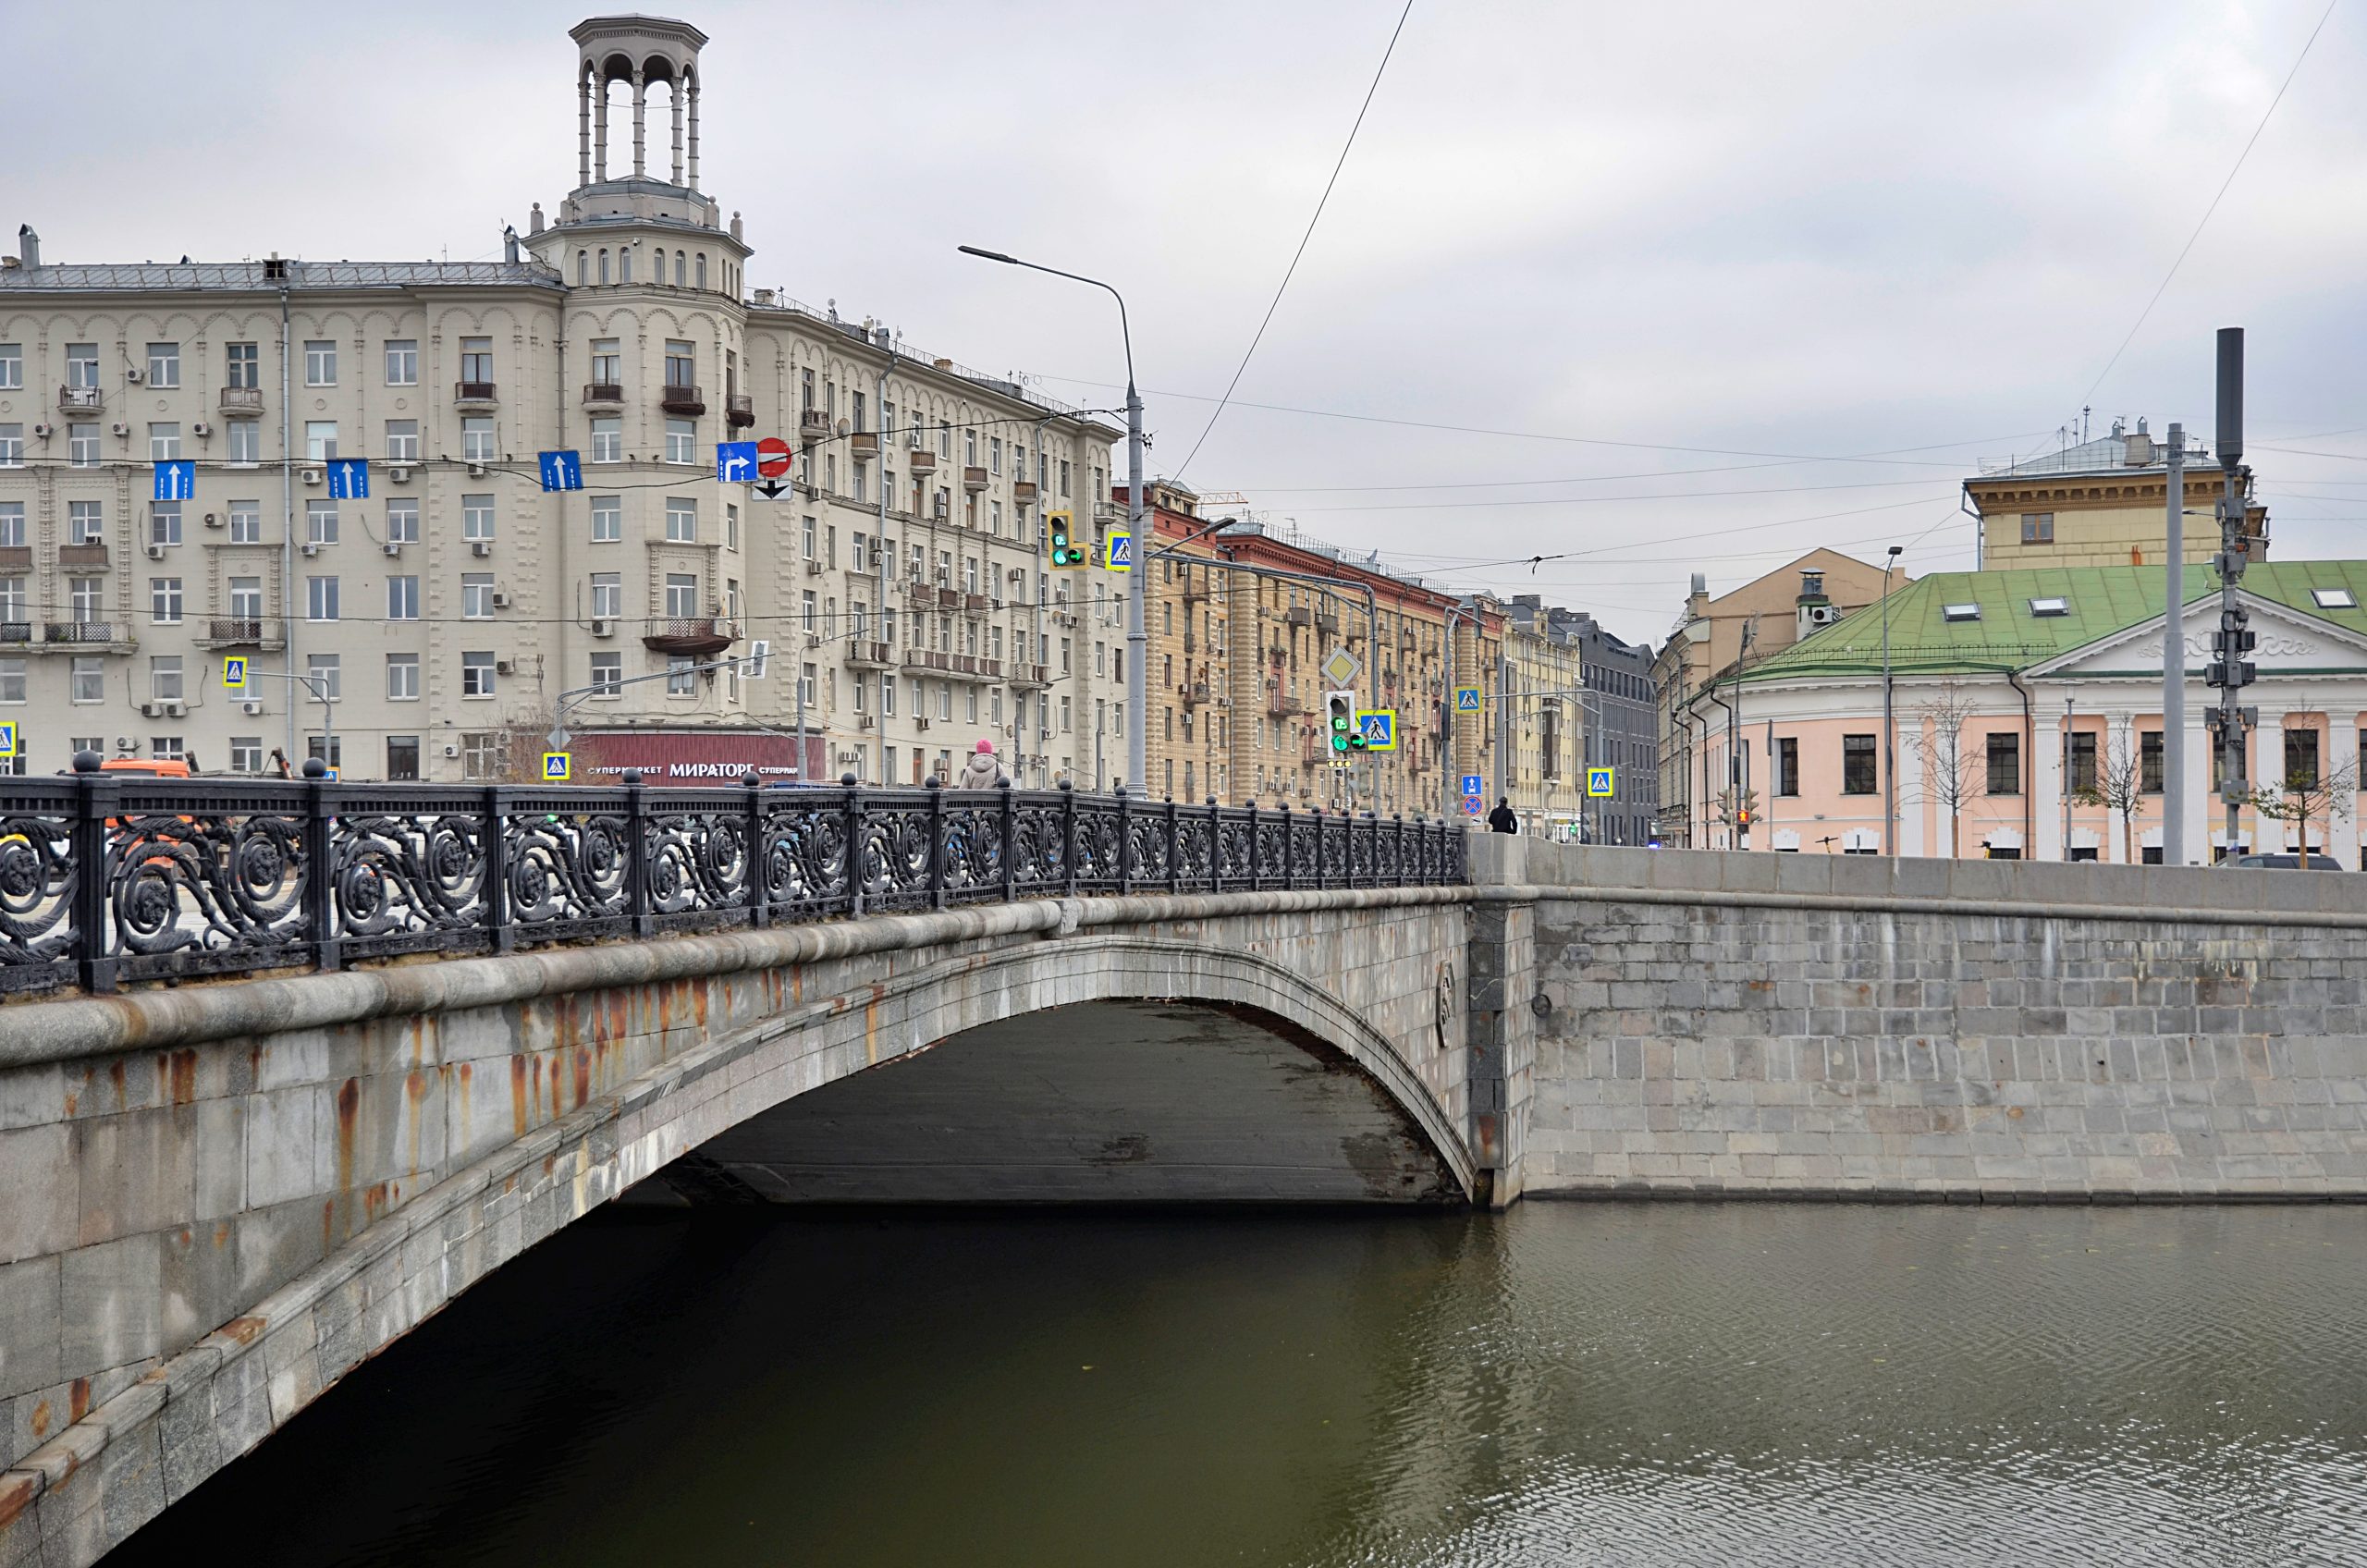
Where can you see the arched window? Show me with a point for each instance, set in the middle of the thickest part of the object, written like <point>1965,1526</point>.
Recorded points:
<point>604,263</point>
<point>624,264</point>
<point>681,260</point>
<point>658,272</point>
<point>702,269</point>
<point>583,267</point>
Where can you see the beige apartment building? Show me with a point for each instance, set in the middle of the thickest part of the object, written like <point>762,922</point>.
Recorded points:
<point>2105,503</point>
<point>452,612</point>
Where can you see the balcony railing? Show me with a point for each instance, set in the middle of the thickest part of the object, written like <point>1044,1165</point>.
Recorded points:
<point>80,399</point>
<point>118,879</point>
<point>236,400</point>
<point>91,555</point>
<point>1022,491</point>
<point>240,632</point>
<point>973,479</point>
<point>78,632</point>
<point>16,631</point>
<point>740,410</point>
<point>603,394</point>
<point>474,392</point>
<point>681,399</point>
<point>863,443</point>
<point>693,635</point>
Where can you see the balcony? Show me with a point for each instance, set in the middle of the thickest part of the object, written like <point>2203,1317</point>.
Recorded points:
<point>863,443</point>
<point>739,411</point>
<point>474,397</point>
<point>1024,491</point>
<point>15,557</point>
<point>1194,693</point>
<point>241,401</point>
<point>677,398</point>
<point>80,399</point>
<point>928,659</point>
<point>603,395</point>
<point>921,460</point>
<point>695,636</point>
<point>1301,616</point>
<point>93,556</point>
<point>1328,624</point>
<point>813,425</point>
<point>973,479</point>
<point>870,656</point>
<point>1026,675</point>
<point>949,599</point>
<point>247,631</point>
<point>78,634</point>
<point>977,604</point>
<point>14,631</point>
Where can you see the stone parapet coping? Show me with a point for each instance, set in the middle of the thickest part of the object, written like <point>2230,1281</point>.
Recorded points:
<point>1860,903</point>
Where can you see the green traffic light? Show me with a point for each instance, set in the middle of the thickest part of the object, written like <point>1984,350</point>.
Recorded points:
<point>1339,742</point>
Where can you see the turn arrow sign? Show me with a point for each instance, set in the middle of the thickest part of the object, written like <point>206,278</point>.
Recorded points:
<point>773,489</point>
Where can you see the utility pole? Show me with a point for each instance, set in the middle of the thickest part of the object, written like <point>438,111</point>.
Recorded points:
<point>1890,749</point>
<point>2070,727</point>
<point>2230,670</point>
<point>2174,662</point>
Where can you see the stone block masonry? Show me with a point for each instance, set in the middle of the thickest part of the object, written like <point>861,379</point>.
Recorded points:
<point>1988,1039</point>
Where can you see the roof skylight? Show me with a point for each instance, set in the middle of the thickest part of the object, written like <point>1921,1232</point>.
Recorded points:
<point>2050,607</point>
<point>1960,612</point>
<point>2335,598</point>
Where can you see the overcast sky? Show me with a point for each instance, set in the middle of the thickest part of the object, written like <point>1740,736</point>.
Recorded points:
<point>1761,233</point>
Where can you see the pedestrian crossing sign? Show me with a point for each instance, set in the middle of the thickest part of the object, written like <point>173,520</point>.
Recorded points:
<point>556,766</point>
<point>234,673</point>
<point>9,740</point>
<point>1379,727</point>
<point>1466,699</point>
<point>1599,782</point>
<point>1121,552</point>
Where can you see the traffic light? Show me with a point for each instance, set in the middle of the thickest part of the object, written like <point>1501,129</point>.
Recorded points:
<point>1345,741</point>
<point>1742,817</point>
<point>2226,669</point>
<point>1065,550</point>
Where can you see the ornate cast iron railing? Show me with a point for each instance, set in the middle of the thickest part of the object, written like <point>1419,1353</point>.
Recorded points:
<point>109,878</point>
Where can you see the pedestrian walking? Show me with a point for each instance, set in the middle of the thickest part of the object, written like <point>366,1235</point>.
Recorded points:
<point>982,771</point>
<point>1501,819</point>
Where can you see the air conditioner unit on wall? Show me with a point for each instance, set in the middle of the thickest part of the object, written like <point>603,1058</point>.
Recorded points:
<point>451,750</point>
<point>480,546</point>
<point>120,428</point>
<point>397,474</point>
<point>392,548</point>
<point>603,627</point>
<point>202,430</point>
<point>251,708</point>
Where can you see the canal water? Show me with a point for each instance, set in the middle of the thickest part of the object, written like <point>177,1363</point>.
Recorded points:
<point>1600,1384</point>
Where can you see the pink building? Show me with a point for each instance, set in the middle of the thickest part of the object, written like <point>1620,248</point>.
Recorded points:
<point>2027,720</point>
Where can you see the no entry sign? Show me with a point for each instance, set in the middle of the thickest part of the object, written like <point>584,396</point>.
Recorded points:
<point>772,457</point>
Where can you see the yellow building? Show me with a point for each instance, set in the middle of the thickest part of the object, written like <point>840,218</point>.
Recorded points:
<point>1547,697</point>
<point>2104,503</point>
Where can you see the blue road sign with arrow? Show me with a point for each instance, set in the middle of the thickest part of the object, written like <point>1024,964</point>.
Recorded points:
<point>177,479</point>
<point>1471,785</point>
<point>735,462</point>
<point>350,479</point>
<point>561,471</point>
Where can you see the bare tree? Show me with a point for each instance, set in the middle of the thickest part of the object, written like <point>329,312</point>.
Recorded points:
<point>2309,796</point>
<point>1951,770</point>
<point>2120,789</point>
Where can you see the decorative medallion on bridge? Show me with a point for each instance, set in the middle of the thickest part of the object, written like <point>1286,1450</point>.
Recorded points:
<point>1445,997</point>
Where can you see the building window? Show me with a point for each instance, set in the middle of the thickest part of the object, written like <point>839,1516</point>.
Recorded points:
<point>246,522</point>
<point>682,441</point>
<point>2038,528</point>
<point>1787,765</point>
<point>320,440</point>
<point>2004,764</point>
<point>1857,767</point>
<point>681,364</point>
<point>681,677</point>
<point>607,441</point>
<point>476,674</point>
<point>320,364</point>
<point>246,598</point>
<point>87,594</point>
<point>12,446</point>
<point>328,671</point>
<point>82,445</point>
<point>328,750</point>
<point>2079,762</point>
<point>701,273</point>
<point>82,365</point>
<point>165,678</point>
<point>2300,759</point>
<point>89,681</point>
<point>164,600</point>
<point>13,602</point>
<point>164,522</point>
<point>164,365</point>
<point>246,753</point>
<point>12,365</point>
<point>402,678</point>
<point>320,522</point>
<point>479,751</point>
<point>681,520</point>
<point>477,360</point>
<point>731,526</point>
<point>402,362</point>
<point>163,442</point>
<point>402,523</point>
<point>402,440</point>
<point>243,366</point>
<point>476,518</point>
<point>681,595</point>
<point>246,440</point>
<point>319,598</point>
<point>477,440</point>
<point>2149,762</point>
<point>476,596</point>
<point>607,674</point>
<point>402,759</point>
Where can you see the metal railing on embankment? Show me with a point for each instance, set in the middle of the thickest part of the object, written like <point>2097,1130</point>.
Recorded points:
<point>107,878</point>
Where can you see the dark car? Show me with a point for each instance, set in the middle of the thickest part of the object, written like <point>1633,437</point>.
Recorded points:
<point>2291,863</point>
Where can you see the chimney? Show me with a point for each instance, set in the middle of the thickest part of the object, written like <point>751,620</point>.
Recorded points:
<point>1813,611</point>
<point>1811,583</point>
<point>28,245</point>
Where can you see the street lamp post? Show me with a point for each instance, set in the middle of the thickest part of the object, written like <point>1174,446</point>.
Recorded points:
<point>1890,746</point>
<point>1137,685</point>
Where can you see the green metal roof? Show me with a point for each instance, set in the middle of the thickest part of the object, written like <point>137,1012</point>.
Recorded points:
<point>2008,636</point>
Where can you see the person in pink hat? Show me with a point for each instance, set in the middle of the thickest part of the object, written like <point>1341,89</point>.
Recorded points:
<point>982,771</point>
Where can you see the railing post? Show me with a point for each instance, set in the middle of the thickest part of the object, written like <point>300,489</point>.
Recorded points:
<point>1400,818</point>
<point>1174,875</point>
<point>855,830</point>
<point>1125,841</point>
<point>936,842</point>
<point>1009,838</point>
<point>320,869</point>
<point>760,892</point>
<point>1215,845</point>
<point>1290,851</point>
<point>1318,845</point>
<point>493,830</point>
<point>1068,838</point>
<point>637,855</point>
<point>1253,839</point>
<point>96,797</point>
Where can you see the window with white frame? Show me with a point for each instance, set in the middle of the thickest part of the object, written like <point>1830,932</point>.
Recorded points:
<point>246,522</point>
<point>477,440</point>
<point>402,598</point>
<point>731,526</point>
<point>682,441</point>
<point>477,674</point>
<point>320,522</point>
<point>476,518</point>
<point>243,367</point>
<point>607,674</point>
<point>320,364</point>
<point>13,600</point>
<point>476,596</point>
<point>12,446</point>
<point>681,596</point>
<point>246,753</point>
<point>681,676</point>
<point>164,365</point>
<point>88,595</point>
<point>402,362</point>
<point>86,523</point>
<point>402,440</point>
<point>607,520</point>
<point>681,520</point>
<point>402,521</point>
<point>319,598</point>
<point>89,678</point>
<point>82,445</point>
<point>402,678</point>
<point>320,440</point>
<point>245,437</point>
<point>81,365</point>
<point>246,598</point>
<point>608,595</point>
<point>164,676</point>
<point>681,364</point>
<point>607,440</point>
<point>164,523</point>
<point>327,672</point>
<point>608,363</point>
<point>477,360</point>
<point>12,366</point>
<point>163,442</point>
<point>164,600</point>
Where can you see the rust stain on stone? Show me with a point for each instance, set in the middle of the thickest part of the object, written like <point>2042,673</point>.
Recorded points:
<point>797,985</point>
<point>871,1031</point>
<point>221,1233</point>
<point>328,1223</point>
<point>244,1330</point>
<point>41,1418</point>
<point>518,1095</point>
<point>583,1076</point>
<point>182,1074</point>
<point>71,1100</point>
<point>373,1200</point>
<point>698,1004</point>
<point>17,1489</point>
<point>115,1072</point>
<point>534,1099</point>
<point>78,1399</point>
<point>349,1104</point>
